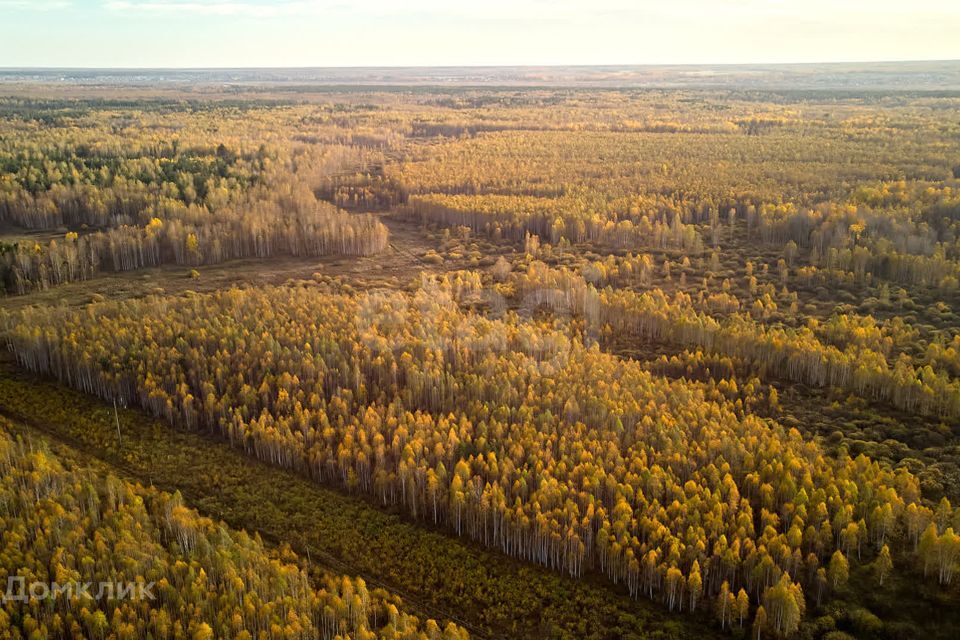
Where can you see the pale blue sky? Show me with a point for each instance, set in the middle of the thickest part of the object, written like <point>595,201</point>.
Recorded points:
<point>243,33</point>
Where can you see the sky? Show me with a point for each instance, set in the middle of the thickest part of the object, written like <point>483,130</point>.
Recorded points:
<point>298,33</point>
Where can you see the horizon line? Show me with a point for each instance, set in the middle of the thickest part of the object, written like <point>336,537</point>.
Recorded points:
<point>480,65</point>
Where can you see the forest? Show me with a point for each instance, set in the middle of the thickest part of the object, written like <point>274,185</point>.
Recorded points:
<point>511,362</point>
<point>95,527</point>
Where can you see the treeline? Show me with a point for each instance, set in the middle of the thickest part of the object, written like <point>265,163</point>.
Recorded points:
<point>911,239</point>
<point>129,190</point>
<point>792,187</point>
<point>143,201</point>
<point>809,164</point>
<point>514,217</point>
<point>172,573</point>
<point>103,166</point>
<point>264,231</point>
<point>512,433</point>
<point>794,354</point>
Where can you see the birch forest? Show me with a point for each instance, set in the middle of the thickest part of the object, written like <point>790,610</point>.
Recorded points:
<point>440,362</point>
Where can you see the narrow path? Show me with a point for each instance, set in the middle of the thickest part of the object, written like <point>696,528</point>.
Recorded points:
<point>59,439</point>
<point>436,575</point>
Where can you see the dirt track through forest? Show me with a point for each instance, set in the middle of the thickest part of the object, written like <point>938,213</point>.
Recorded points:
<point>82,454</point>
<point>443,577</point>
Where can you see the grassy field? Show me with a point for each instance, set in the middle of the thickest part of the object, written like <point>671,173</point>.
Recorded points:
<point>393,268</point>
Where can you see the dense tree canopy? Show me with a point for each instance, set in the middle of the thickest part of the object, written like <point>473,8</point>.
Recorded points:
<point>705,344</point>
<point>71,526</point>
<point>486,426</point>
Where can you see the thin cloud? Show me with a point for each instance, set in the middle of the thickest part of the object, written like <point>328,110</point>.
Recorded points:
<point>535,11</point>
<point>35,5</point>
<point>437,9</point>
<point>224,7</point>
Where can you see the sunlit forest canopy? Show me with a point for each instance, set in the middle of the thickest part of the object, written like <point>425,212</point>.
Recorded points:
<point>687,350</point>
